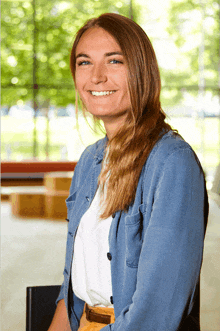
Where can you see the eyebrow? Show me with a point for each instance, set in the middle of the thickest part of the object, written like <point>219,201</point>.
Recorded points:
<point>106,54</point>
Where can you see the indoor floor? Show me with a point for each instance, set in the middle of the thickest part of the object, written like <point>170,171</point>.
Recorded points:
<point>33,253</point>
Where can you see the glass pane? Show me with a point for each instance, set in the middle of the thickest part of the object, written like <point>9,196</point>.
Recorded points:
<point>185,36</point>
<point>36,47</point>
<point>17,125</point>
<point>17,45</point>
<point>189,73</point>
<point>57,24</point>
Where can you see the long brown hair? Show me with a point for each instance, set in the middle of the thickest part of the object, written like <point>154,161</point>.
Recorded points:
<point>129,148</point>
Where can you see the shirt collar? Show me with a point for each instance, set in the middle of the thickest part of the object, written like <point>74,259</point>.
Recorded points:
<point>100,149</point>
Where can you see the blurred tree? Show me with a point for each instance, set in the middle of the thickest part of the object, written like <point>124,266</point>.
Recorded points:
<point>16,50</point>
<point>51,36</point>
<point>191,23</point>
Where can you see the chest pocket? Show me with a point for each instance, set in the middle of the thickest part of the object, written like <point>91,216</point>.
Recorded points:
<point>70,202</point>
<point>133,237</point>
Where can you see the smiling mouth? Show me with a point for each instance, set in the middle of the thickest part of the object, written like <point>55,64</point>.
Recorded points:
<point>101,93</point>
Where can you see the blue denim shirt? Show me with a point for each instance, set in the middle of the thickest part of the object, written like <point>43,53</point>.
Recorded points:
<point>156,246</point>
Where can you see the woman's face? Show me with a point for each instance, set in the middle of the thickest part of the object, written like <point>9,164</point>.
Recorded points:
<point>101,76</point>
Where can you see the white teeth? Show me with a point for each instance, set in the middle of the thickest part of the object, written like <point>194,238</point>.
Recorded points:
<point>101,93</point>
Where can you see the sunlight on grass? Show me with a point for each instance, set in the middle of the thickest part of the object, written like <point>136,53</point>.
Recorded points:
<point>64,133</point>
<point>67,140</point>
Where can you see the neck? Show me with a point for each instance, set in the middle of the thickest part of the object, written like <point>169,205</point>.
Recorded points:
<point>113,125</point>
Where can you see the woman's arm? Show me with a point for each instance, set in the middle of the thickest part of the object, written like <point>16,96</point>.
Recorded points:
<point>60,320</point>
<point>171,254</point>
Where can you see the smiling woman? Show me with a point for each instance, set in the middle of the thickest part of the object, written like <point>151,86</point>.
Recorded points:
<point>133,111</point>
<point>138,206</point>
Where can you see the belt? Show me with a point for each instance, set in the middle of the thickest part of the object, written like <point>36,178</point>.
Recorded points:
<point>96,317</point>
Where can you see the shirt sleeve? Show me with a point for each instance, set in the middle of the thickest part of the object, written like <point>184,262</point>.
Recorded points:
<point>61,294</point>
<point>171,255</point>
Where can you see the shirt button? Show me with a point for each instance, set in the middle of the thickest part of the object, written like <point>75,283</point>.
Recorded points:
<point>109,256</point>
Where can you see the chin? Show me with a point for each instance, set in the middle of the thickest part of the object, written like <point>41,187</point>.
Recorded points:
<point>100,112</point>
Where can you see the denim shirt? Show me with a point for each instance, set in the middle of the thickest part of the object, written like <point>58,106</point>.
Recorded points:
<point>156,247</point>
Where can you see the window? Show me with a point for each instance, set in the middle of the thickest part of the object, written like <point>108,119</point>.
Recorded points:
<point>38,114</point>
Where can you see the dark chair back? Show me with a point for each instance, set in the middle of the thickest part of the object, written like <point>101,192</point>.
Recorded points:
<point>40,306</point>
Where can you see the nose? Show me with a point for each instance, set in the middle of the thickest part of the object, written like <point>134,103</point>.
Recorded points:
<point>99,74</point>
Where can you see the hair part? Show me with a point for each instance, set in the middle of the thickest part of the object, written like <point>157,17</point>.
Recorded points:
<point>145,123</point>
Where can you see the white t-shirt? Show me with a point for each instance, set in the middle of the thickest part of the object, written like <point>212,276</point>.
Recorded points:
<point>91,272</point>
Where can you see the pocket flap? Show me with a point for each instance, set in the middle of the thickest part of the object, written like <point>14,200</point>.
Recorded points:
<point>70,201</point>
<point>135,218</point>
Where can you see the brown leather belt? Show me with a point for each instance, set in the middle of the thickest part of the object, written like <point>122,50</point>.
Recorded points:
<point>95,317</point>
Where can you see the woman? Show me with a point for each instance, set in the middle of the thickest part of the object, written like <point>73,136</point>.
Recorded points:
<point>137,208</point>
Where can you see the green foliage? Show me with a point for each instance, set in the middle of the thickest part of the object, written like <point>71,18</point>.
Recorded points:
<point>186,18</point>
<point>56,23</point>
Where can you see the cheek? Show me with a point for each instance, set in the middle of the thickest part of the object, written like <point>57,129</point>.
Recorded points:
<point>126,92</point>
<point>78,81</point>
<point>77,84</point>
<point>124,82</point>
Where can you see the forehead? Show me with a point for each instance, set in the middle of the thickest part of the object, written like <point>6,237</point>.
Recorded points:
<point>98,40</point>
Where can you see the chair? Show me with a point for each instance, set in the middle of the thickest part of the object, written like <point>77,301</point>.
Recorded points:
<point>40,306</point>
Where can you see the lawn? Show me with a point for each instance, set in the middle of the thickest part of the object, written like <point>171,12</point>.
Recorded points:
<point>68,142</point>
<point>65,139</point>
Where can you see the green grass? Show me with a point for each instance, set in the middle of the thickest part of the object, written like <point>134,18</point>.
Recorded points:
<point>18,134</point>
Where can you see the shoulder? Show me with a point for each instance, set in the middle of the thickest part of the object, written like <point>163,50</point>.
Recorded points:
<point>172,150</point>
<point>173,172</point>
<point>92,154</point>
<point>170,143</point>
